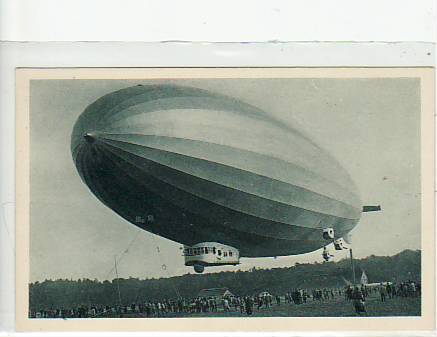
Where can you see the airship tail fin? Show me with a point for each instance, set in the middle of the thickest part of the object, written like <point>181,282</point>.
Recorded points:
<point>371,208</point>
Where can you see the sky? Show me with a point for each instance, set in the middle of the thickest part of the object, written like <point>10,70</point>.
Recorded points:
<point>371,126</point>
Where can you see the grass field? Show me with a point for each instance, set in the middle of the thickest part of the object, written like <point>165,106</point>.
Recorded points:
<point>339,307</point>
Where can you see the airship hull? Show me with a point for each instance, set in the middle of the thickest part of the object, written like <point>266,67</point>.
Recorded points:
<point>193,166</point>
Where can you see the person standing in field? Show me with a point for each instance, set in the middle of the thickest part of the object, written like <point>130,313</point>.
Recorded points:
<point>348,293</point>
<point>260,302</point>
<point>226,305</point>
<point>382,292</point>
<point>241,303</point>
<point>248,304</point>
<point>358,301</point>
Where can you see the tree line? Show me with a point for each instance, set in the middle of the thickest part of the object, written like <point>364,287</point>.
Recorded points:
<point>63,293</point>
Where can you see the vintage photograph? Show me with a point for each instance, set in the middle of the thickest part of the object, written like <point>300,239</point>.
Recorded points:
<point>232,193</point>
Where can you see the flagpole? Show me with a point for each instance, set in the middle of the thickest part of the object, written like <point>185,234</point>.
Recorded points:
<point>118,285</point>
<point>352,265</point>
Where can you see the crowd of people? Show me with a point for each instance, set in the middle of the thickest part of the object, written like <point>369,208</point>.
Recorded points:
<point>403,289</point>
<point>163,308</point>
<point>242,304</point>
<point>386,290</point>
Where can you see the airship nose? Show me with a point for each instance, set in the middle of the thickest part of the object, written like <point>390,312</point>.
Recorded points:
<point>89,137</point>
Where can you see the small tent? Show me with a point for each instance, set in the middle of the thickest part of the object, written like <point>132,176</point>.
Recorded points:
<point>364,279</point>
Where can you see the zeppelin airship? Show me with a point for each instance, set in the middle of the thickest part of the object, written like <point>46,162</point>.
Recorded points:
<point>213,173</point>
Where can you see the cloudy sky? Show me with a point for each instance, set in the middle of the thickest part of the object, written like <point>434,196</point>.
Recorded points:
<point>371,126</point>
